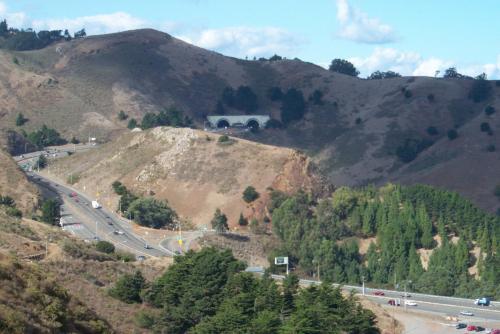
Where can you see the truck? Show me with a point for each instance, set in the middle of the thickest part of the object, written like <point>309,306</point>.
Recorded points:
<point>96,205</point>
<point>483,301</point>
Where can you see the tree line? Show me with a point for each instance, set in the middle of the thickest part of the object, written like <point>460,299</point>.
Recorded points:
<point>28,39</point>
<point>402,220</point>
<point>208,292</point>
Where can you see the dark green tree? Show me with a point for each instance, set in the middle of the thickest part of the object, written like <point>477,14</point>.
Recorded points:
<point>293,106</point>
<point>20,120</point>
<point>105,247</point>
<point>219,222</point>
<point>343,66</point>
<point>250,194</point>
<point>128,288</point>
<point>51,211</point>
<point>152,213</point>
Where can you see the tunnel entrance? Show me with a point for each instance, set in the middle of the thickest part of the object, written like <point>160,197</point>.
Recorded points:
<point>222,124</point>
<point>253,124</point>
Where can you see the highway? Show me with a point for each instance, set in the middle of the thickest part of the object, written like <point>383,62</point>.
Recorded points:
<point>446,306</point>
<point>96,224</point>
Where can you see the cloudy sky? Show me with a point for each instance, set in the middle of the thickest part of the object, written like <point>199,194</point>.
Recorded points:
<point>413,37</point>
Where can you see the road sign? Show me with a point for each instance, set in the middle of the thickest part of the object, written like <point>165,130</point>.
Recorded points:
<point>180,242</point>
<point>281,260</point>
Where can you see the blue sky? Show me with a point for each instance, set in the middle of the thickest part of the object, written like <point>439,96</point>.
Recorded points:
<point>411,37</point>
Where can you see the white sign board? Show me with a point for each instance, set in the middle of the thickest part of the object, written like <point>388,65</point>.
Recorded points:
<point>280,260</point>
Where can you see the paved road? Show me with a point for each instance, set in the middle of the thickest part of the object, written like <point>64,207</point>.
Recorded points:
<point>100,223</point>
<point>436,304</point>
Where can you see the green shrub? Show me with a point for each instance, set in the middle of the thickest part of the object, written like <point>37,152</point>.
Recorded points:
<point>432,131</point>
<point>358,121</point>
<point>20,120</point>
<point>152,213</point>
<point>15,60</point>
<point>411,148</point>
<point>485,127</point>
<point>51,211</point>
<point>122,115</point>
<point>132,123</point>
<point>144,319</point>
<point>219,222</point>
<point>489,110</point>
<point>13,212</point>
<point>250,194</point>
<point>223,139</point>
<point>343,66</point>
<point>242,221</point>
<point>452,134</point>
<point>480,90</point>
<point>128,288</point>
<point>105,247</point>
<point>274,124</point>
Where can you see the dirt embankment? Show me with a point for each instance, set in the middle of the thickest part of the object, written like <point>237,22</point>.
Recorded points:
<point>192,170</point>
<point>13,183</point>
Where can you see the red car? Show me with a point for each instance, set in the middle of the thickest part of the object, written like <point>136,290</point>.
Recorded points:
<point>379,293</point>
<point>495,331</point>
<point>73,194</point>
<point>471,328</point>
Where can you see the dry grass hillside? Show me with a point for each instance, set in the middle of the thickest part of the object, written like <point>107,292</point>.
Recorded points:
<point>80,86</point>
<point>192,170</point>
<point>13,183</point>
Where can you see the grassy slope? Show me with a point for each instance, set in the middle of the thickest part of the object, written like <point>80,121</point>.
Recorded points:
<point>80,86</point>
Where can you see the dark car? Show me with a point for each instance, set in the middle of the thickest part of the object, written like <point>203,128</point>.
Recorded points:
<point>460,325</point>
<point>479,329</point>
<point>379,293</point>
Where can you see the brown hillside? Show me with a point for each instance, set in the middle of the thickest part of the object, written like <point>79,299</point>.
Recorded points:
<point>13,183</point>
<point>192,170</point>
<point>79,87</point>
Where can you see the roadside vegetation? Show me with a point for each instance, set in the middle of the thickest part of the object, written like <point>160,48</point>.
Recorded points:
<point>402,220</point>
<point>208,292</point>
<point>145,211</point>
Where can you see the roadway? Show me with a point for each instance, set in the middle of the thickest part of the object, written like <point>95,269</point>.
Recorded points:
<point>446,306</point>
<point>95,224</point>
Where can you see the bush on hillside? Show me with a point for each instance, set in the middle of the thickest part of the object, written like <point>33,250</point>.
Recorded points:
<point>343,66</point>
<point>250,194</point>
<point>485,127</point>
<point>105,247</point>
<point>432,131</point>
<point>491,148</point>
<point>242,221</point>
<point>45,136</point>
<point>452,134</point>
<point>430,97</point>
<point>128,288</point>
<point>20,120</point>
<point>316,97</point>
<point>274,93</point>
<point>132,124</point>
<point>122,115</point>
<point>383,75</point>
<point>480,89</point>
<point>219,222</point>
<point>489,110</point>
<point>51,211</point>
<point>408,93</point>
<point>293,106</point>
<point>152,213</point>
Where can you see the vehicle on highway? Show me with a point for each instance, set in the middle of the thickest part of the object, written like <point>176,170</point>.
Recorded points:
<point>118,232</point>
<point>467,313</point>
<point>379,293</point>
<point>73,194</point>
<point>147,246</point>
<point>96,205</point>
<point>141,258</point>
<point>495,331</point>
<point>483,301</point>
<point>471,328</point>
<point>405,295</point>
<point>394,302</point>
<point>479,329</point>
<point>110,223</point>
<point>411,303</point>
<point>460,325</point>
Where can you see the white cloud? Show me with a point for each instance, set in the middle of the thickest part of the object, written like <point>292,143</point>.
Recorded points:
<point>412,63</point>
<point>95,24</point>
<point>14,19</point>
<point>245,41</point>
<point>357,26</point>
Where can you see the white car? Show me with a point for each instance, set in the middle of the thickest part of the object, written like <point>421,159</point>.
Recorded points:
<point>467,313</point>
<point>411,303</point>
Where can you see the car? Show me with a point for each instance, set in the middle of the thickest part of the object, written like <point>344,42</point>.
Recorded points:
<point>379,293</point>
<point>411,303</point>
<point>460,325</point>
<point>147,246</point>
<point>471,328</point>
<point>110,223</point>
<point>495,331</point>
<point>119,232</point>
<point>479,329</point>
<point>141,257</point>
<point>406,295</point>
<point>467,313</point>
<point>73,194</point>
